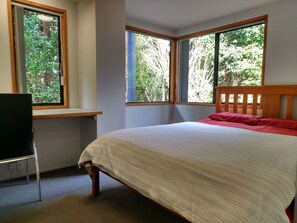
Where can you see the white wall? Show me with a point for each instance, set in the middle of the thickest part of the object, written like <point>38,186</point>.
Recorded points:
<point>150,27</point>
<point>137,116</point>
<point>58,142</point>
<point>87,54</point>
<point>110,51</point>
<point>191,112</point>
<point>5,72</point>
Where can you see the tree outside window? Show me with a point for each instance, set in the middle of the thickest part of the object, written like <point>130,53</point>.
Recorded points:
<point>40,53</point>
<point>227,58</point>
<point>148,68</point>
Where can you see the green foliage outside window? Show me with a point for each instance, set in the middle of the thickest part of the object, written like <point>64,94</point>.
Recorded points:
<point>152,65</point>
<point>240,61</point>
<point>241,54</point>
<point>201,69</point>
<point>42,53</point>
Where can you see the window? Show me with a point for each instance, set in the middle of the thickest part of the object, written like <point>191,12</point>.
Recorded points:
<point>148,68</point>
<point>39,65</point>
<point>229,57</point>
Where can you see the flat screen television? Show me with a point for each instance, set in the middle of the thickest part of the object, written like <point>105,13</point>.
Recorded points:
<point>15,125</point>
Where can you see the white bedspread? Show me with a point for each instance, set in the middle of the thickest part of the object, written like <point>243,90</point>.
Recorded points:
<point>205,173</point>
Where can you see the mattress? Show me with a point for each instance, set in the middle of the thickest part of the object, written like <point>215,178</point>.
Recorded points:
<point>205,173</point>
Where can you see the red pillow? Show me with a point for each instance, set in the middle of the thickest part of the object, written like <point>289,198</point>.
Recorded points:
<point>234,117</point>
<point>278,122</point>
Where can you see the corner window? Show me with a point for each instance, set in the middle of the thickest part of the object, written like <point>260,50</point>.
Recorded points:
<point>40,66</point>
<point>147,68</point>
<point>229,57</point>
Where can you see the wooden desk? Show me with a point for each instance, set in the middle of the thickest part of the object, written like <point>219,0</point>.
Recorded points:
<point>65,113</point>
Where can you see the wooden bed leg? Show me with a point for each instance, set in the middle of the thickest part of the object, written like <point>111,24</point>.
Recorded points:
<point>295,212</point>
<point>295,204</point>
<point>95,181</point>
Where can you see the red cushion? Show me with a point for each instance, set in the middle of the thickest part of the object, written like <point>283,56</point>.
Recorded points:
<point>278,122</point>
<point>234,117</point>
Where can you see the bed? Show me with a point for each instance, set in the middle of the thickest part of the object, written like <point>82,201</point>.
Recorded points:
<point>239,165</point>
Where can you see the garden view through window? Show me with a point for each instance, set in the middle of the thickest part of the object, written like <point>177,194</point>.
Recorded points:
<point>38,55</point>
<point>229,58</point>
<point>148,68</point>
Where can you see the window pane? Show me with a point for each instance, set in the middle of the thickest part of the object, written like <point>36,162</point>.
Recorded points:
<point>201,69</point>
<point>241,54</point>
<point>148,68</point>
<point>42,57</point>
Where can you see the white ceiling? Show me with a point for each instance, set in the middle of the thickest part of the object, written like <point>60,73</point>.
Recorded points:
<point>178,14</point>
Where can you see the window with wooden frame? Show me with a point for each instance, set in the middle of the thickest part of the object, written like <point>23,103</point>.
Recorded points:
<point>232,55</point>
<point>39,53</point>
<point>148,67</point>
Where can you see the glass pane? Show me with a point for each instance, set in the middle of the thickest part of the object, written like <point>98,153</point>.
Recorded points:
<point>201,69</point>
<point>240,58</point>
<point>42,53</point>
<point>148,68</point>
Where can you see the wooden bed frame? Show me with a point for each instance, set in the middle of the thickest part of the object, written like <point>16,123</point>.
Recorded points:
<point>266,101</point>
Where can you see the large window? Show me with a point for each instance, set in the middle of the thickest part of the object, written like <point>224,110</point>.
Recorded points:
<point>39,61</point>
<point>230,57</point>
<point>148,68</point>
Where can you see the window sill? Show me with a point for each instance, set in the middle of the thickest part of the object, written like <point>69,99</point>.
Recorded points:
<point>65,113</point>
<point>195,103</point>
<point>147,103</point>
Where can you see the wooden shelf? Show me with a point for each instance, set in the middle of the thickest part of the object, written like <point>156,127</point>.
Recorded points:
<point>65,113</point>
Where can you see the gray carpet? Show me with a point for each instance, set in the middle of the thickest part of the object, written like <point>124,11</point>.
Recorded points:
<point>67,198</point>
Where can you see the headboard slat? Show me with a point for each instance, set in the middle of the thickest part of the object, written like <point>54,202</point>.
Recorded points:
<point>270,105</point>
<point>227,102</point>
<point>244,105</point>
<point>235,104</point>
<point>289,111</point>
<point>255,104</point>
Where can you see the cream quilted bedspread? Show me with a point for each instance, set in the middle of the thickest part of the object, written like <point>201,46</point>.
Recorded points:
<point>205,173</point>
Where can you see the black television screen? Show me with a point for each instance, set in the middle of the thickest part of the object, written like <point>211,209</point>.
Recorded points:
<point>15,125</point>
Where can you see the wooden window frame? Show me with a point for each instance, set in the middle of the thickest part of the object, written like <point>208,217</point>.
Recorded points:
<point>231,26</point>
<point>172,65</point>
<point>64,49</point>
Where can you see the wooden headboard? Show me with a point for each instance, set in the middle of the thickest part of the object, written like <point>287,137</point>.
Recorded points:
<point>267,101</point>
